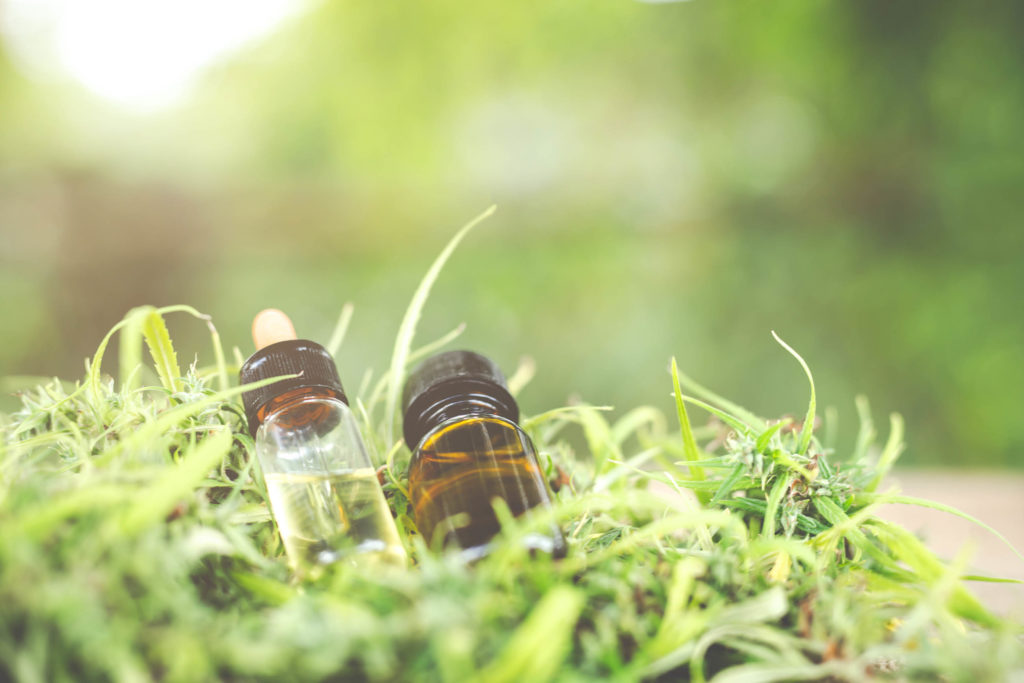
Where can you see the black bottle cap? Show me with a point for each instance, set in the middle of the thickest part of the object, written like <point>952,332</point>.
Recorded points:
<point>311,361</point>
<point>450,381</point>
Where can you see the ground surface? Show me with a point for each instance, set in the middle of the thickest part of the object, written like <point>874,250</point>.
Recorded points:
<point>996,498</point>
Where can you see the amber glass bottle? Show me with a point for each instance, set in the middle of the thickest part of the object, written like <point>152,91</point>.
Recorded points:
<point>324,493</point>
<point>460,423</point>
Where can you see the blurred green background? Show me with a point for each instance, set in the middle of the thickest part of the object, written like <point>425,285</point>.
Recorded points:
<point>672,179</point>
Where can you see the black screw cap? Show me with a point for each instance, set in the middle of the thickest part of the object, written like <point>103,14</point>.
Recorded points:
<point>311,361</point>
<point>449,377</point>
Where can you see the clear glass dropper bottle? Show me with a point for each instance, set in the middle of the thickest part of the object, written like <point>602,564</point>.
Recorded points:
<point>460,423</point>
<point>324,493</point>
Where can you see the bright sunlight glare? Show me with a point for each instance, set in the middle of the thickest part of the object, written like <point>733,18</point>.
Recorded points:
<point>142,54</point>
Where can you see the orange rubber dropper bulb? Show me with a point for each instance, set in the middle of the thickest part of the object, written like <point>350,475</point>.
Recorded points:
<point>271,326</point>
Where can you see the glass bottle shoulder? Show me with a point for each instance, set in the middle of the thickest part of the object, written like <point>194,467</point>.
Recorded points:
<point>307,414</point>
<point>495,431</point>
<point>313,434</point>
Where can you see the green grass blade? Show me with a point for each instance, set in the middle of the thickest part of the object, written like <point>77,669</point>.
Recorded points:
<point>270,591</point>
<point>722,462</point>
<point>756,423</point>
<point>766,436</point>
<point>157,501</point>
<point>831,428</point>
<point>621,469</point>
<point>130,348</point>
<point>555,413</point>
<point>598,434</point>
<point>866,432</point>
<point>439,343</point>
<point>783,458</point>
<point>850,527</point>
<point>537,648</point>
<point>407,330</point>
<point>523,375</point>
<point>631,423</point>
<point>891,451</point>
<point>690,451</point>
<point>808,430</point>
<point>158,339</point>
<point>218,354</point>
<point>825,467</point>
<point>725,417</point>
<point>711,485</point>
<point>941,578</point>
<point>988,579</point>
<point>887,498</point>
<point>679,591</point>
<point>772,672</point>
<point>92,378</point>
<point>772,509</point>
<point>729,484</point>
<point>340,329</point>
<point>739,619</point>
<point>764,607</point>
<point>41,519</point>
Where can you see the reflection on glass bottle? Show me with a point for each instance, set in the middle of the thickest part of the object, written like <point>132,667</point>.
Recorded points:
<point>460,422</point>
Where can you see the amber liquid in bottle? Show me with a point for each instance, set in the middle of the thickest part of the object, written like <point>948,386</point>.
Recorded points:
<point>460,467</point>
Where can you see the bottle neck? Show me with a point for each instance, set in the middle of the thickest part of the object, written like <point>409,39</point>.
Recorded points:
<point>434,410</point>
<point>465,405</point>
<point>290,399</point>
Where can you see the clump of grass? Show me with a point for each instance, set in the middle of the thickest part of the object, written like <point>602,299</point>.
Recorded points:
<point>136,543</point>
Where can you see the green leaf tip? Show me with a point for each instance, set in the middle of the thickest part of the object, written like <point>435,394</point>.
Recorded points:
<point>808,429</point>
<point>690,450</point>
<point>161,349</point>
<point>340,329</point>
<point>890,452</point>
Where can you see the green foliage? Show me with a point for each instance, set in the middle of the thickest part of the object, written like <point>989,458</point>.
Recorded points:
<point>136,543</point>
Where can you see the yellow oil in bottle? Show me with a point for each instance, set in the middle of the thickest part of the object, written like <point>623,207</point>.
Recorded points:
<point>458,471</point>
<point>324,518</point>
